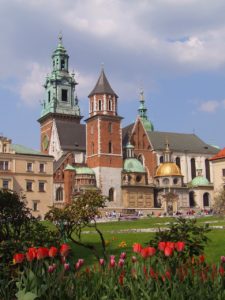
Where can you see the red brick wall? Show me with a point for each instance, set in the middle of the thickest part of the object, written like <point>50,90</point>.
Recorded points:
<point>142,147</point>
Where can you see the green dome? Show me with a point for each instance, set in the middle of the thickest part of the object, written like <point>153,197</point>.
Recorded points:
<point>84,171</point>
<point>69,167</point>
<point>129,146</point>
<point>147,125</point>
<point>199,181</point>
<point>133,165</point>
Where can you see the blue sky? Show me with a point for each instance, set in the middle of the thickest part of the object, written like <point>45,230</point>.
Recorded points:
<point>174,49</point>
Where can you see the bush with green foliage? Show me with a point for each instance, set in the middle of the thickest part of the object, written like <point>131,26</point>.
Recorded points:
<point>187,230</point>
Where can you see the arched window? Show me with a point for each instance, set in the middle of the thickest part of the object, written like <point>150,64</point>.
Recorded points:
<point>99,104</point>
<point>178,161</point>
<point>110,147</point>
<point>165,181</point>
<point>193,168</point>
<point>110,127</point>
<point>205,199</point>
<point>191,199</point>
<point>161,159</point>
<point>92,148</point>
<point>59,194</point>
<point>110,104</point>
<point>92,106</point>
<point>111,194</point>
<point>207,170</point>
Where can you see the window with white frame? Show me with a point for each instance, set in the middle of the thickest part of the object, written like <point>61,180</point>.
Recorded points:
<point>4,165</point>
<point>29,167</point>
<point>41,167</point>
<point>41,186</point>
<point>29,186</point>
<point>35,205</point>
<point>5,183</point>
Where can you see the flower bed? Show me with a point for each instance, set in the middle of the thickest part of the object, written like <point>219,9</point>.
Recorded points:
<point>165,272</point>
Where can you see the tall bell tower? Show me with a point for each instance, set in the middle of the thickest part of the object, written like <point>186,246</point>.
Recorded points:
<point>104,139</point>
<point>60,101</point>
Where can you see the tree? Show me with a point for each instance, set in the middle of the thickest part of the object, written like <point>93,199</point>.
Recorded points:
<point>219,202</point>
<point>74,217</point>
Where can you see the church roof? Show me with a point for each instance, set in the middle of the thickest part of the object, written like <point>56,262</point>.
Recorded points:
<point>199,181</point>
<point>180,142</point>
<point>72,136</point>
<point>102,86</point>
<point>219,155</point>
<point>133,165</point>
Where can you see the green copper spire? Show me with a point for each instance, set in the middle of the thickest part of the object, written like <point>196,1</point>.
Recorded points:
<point>60,86</point>
<point>142,111</point>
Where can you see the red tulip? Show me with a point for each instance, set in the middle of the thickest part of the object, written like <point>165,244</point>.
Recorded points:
<point>222,259</point>
<point>42,252</point>
<point>52,252</point>
<point>33,251</point>
<point>221,271</point>
<point>161,246</point>
<point>66,266</point>
<point>64,249</point>
<point>121,262</point>
<point>202,258</point>
<point>179,246</point>
<point>51,269</point>
<point>30,256</point>
<point>170,245</point>
<point>137,247</point>
<point>112,263</point>
<point>168,251</point>
<point>168,275</point>
<point>148,251</point>
<point>123,255</point>
<point>18,258</point>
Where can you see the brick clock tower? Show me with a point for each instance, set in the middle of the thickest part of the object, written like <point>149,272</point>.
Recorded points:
<point>104,140</point>
<point>60,102</point>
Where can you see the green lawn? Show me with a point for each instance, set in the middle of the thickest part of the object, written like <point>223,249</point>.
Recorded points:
<point>213,251</point>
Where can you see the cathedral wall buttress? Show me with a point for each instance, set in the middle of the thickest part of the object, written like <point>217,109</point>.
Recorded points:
<point>143,149</point>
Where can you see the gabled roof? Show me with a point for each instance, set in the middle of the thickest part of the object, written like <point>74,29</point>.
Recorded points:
<point>180,142</point>
<point>126,132</point>
<point>72,135</point>
<point>102,86</point>
<point>219,155</point>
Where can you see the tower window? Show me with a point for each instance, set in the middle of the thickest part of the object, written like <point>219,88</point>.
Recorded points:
<point>178,161</point>
<point>110,127</point>
<point>110,104</point>
<point>110,147</point>
<point>62,64</point>
<point>64,95</point>
<point>92,148</point>
<point>161,159</point>
<point>92,106</point>
<point>49,96</point>
<point>99,104</point>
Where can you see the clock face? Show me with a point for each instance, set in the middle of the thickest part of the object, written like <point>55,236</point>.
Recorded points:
<point>45,142</point>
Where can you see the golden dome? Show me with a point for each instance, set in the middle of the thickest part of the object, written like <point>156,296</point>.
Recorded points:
<point>168,169</point>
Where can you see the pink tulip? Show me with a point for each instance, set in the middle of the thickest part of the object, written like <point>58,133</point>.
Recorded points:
<point>101,261</point>
<point>121,262</point>
<point>123,255</point>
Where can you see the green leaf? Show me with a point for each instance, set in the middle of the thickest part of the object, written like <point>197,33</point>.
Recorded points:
<point>22,295</point>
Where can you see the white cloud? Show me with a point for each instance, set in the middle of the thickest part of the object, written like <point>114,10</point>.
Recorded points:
<point>31,89</point>
<point>210,106</point>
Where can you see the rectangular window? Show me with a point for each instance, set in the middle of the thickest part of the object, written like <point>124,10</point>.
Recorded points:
<point>223,172</point>
<point>64,95</point>
<point>5,184</point>
<point>35,205</point>
<point>41,186</point>
<point>29,167</point>
<point>42,168</point>
<point>49,96</point>
<point>29,186</point>
<point>4,165</point>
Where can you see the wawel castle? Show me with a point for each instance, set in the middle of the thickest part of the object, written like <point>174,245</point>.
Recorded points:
<point>136,166</point>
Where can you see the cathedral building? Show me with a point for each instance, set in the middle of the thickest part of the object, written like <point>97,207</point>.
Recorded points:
<point>135,166</point>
